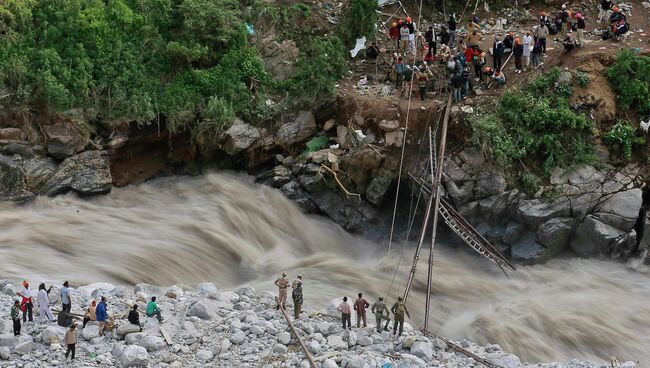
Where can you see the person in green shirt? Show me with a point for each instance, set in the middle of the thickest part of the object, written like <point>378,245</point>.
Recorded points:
<point>153,310</point>
<point>15,317</point>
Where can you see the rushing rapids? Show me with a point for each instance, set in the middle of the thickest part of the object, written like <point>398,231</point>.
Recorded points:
<point>224,229</point>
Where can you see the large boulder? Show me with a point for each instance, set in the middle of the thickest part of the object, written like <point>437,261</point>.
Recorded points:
<point>90,332</point>
<point>535,212</point>
<point>489,183</point>
<point>621,210</point>
<point>53,334</point>
<point>134,356</point>
<point>554,234</point>
<point>152,343</point>
<point>86,173</point>
<point>8,340</point>
<point>63,140</point>
<point>382,181</point>
<point>504,360</point>
<point>422,349</point>
<point>240,136</point>
<point>593,237</point>
<point>127,328</point>
<point>335,342</point>
<point>12,180</point>
<point>25,347</point>
<point>299,130</point>
<point>527,250</point>
<point>207,289</point>
<point>5,354</point>
<point>204,309</point>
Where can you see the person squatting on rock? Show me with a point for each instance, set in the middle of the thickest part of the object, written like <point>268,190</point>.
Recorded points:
<point>44,311</point>
<point>15,317</point>
<point>26,304</point>
<point>71,341</point>
<point>90,314</point>
<point>134,316</point>
<point>296,295</point>
<point>399,309</point>
<point>282,283</point>
<point>153,309</point>
<point>381,312</point>
<point>346,313</point>
<point>360,306</point>
<point>66,302</point>
<point>102,315</point>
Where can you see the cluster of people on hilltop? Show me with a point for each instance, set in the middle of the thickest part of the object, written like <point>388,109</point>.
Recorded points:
<point>95,312</point>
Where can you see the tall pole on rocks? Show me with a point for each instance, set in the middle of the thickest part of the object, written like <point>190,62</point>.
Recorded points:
<point>434,226</point>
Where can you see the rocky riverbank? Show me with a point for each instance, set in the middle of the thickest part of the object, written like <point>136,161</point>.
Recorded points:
<point>240,328</point>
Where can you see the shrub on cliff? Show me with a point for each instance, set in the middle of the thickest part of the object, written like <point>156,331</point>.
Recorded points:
<point>630,77</point>
<point>535,127</point>
<point>359,20</point>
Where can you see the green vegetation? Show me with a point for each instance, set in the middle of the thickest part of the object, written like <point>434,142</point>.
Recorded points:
<point>582,79</point>
<point>622,137</point>
<point>360,19</point>
<point>535,127</point>
<point>187,63</point>
<point>630,77</point>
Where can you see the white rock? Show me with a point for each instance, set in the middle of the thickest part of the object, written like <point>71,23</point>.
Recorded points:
<point>329,363</point>
<point>336,342</point>
<point>238,338</point>
<point>355,362</point>
<point>4,353</point>
<point>133,338</point>
<point>117,350</point>
<point>628,364</point>
<point>505,360</point>
<point>352,339</point>
<point>314,347</point>
<point>121,291</point>
<point>365,341</point>
<point>280,349</point>
<point>174,292</point>
<point>203,309</point>
<point>225,346</point>
<point>169,358</point>
<point>134,356</point>
<point>207,289</point>
<point>227,296</point>
<point>147,289</point>
<point>90,332</point>
<point>422,350</point>
<point>25,347</point>
<point>284,338</point>
<point>8,340</point>
<point>256,330</point>
<point>152,343</point>
<point>87,291</point>
<point>248,291</point>
<point>204,355</point>
<point>126,329</point>
<point>53,334</point>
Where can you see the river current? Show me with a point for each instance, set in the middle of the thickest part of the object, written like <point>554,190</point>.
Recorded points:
<point>225,229</point>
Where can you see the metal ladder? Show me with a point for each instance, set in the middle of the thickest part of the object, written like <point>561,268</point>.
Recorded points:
<point>467,232</point>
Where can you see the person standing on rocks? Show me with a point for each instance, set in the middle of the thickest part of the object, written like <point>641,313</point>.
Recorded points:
<point>90,314</point>
<point>430,36</point>
<point>604,10</point>
<point>71,341</point>
<point>282,283</point>
<point>380,311</point>
<point>452,31</point>
<point>541,31</point>
<point>296,295</point>
<point>399,309</point>
<point>102,315</point>
<point>518,51</point>
<point>26,305</point>
<point>497,52</point>
<point>153,309</point>
<point>346,313</point>
<point>66,302</point>
<point>15,317</point>
<point>528,48</point>
<point>44,304</point>
<point>580,25</point>
<point>360,306</point>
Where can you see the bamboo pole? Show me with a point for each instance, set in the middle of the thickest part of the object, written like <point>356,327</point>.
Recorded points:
<point>293,329</point>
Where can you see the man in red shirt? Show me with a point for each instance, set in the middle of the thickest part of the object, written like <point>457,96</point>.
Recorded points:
<point>360,306</point>
<point>344,308</point>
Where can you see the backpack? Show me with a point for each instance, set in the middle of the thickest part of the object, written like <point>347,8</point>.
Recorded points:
<point>399,310</point>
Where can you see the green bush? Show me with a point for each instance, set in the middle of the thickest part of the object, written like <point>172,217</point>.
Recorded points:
<point>536,126</point>
<point>530,182</point>
<point>630,77</point>
<point>622,137</point>
<point>582,79</point>
<point>359,20</point>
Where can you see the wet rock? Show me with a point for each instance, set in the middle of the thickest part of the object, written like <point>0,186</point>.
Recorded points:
<point>134,356</point>
<point>12,180</point>
<point>382,181</point>
<point>86,173</point>
<point>63,140</point>
<point>535,212</point>
<point>554,234</point>
<point>240,136</point>
<point>593,237</point>
<point>301,129</point>
<point>621,210</point>
<point>527,250</point>
<point>513,232</point>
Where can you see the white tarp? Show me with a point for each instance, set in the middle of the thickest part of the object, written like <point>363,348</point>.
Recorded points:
<point>361,44</point>
<point>386,2</point>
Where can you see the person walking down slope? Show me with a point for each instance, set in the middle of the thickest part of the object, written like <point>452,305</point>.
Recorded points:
<point>282,283</point>
<point>381,312</point>
<point>154,310</point>
<point>360,306</point>
<point>90,314</point>
<point>346,313</point>
<point>15,317</point>
<point>296,295</point>
<point>26,304</point>
<point>44,311</point>
<point>65,297</point>
<point>399,309</point>
<point>71,341</point>
<point>102,315</point>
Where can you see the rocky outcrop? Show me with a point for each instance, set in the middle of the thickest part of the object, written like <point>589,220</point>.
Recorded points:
<point>239,137</point>
<point>297,131</point>
<point>63,140</point>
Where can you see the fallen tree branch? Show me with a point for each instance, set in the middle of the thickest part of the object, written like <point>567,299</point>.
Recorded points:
<point>336,177</point>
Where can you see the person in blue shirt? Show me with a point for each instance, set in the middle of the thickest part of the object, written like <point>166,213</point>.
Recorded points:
<point>102,315</point>
<point>65,297</point>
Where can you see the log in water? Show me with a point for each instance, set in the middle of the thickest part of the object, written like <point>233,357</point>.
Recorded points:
<point>225,229</point>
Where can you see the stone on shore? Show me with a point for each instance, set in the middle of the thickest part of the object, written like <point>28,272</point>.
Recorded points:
<point>134,356</point>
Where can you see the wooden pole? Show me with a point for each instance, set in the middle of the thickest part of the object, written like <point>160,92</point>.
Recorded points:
<point>434,225</point>
<point>295,333</point>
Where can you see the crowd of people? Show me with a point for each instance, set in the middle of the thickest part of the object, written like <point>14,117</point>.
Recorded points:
<point>415,52</point>
<point>95,312</point>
